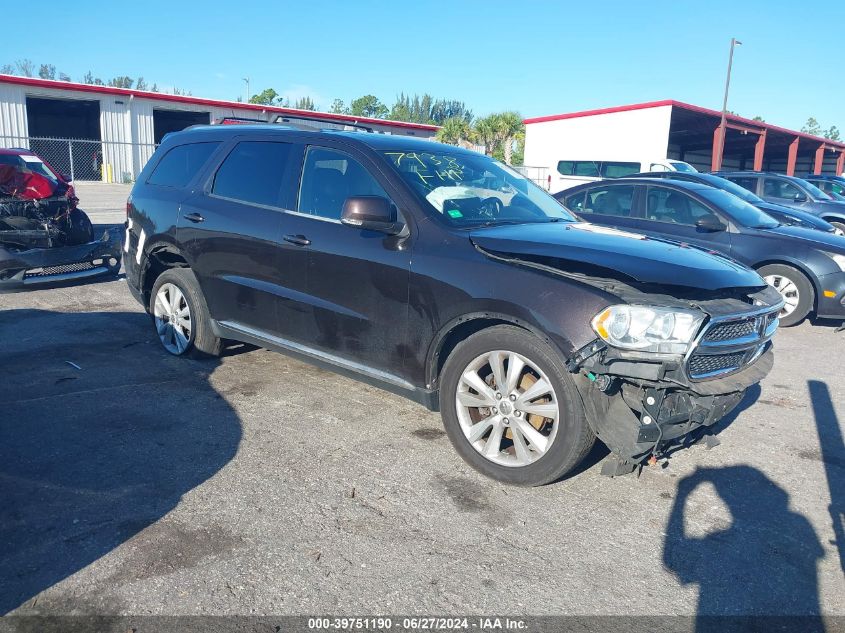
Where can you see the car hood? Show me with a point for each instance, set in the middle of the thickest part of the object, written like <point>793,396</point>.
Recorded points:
<point>804,216</point>
<point>810,237</point>
<point>643,259</point>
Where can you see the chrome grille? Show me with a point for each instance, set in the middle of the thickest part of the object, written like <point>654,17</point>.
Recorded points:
<point>701,365</point>
<point>732,330</point>
<point>730,343</point>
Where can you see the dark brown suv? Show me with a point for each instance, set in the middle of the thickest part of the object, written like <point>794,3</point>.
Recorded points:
<point>443,275</point>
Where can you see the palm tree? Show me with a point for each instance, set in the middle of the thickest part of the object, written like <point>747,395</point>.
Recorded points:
<point>509,127</point>
<point>487,133</point>
<point>455,131</point>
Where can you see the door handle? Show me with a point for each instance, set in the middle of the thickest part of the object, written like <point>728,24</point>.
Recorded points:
<point>194,217</point>
<point>299,240</point>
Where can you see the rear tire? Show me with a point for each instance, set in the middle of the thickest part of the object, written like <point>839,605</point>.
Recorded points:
<point>794,287</point>
<point>526,428</point>
<point>180,315</point>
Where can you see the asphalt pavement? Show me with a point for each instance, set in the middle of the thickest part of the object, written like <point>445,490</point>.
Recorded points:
<point>134,482</point>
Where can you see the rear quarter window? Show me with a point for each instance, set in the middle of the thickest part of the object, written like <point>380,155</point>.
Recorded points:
<point>745,183</point>
<point>180,164</point>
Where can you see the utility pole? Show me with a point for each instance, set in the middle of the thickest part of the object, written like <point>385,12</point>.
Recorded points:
<point>246,80</point>
<point>720,151</point>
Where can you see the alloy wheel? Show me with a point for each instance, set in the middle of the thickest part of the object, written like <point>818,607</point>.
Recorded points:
<point>787,289</point>
<point>172,319</point>
<point>507,408</point>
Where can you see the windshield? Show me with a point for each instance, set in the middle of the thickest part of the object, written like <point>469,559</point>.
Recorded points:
<point>471,189</point>
<point>739,210</point>
<point>682,166</point>
<point>732,187</point>
<point>30,162</point>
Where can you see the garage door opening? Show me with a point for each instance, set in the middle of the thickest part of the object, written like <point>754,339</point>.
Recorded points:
<point>52,119</point>
<point>166,121</point>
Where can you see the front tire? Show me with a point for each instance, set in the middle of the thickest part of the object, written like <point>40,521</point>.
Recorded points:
<point>794,287</point>
<point>511,409</point>
<point>180,315</point>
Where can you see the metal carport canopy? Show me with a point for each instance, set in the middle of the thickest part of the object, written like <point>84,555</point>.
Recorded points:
<point>753,144</point>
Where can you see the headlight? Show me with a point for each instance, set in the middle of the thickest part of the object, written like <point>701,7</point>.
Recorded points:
<point>839,259</point>
<point>648,329</point>
<point>838,232</point>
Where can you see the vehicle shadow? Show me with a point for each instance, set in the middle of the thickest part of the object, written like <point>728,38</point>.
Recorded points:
<point>832,455</point>
<point>830,324</point>
<point>758,569</point>
<point>101,434</point>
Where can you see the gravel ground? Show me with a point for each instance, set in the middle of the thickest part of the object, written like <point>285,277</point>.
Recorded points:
<point>133,482</point>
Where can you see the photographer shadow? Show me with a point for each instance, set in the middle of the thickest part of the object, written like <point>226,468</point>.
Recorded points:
<point>761,565</point>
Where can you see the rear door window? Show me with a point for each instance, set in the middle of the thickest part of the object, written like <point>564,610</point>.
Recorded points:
<point>253,172</point>
<point>330,177</point>
<point>613,200</point>
<point>180,164</point>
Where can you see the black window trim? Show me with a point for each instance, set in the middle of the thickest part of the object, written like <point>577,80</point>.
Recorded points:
<point>616,182</point>
<point>726,219</point>
<point>306,147</point>
<point>777,178</point>
<point>229,147</point>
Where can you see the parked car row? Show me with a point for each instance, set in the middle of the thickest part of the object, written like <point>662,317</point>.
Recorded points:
<point>791,191</point>
<point>806,265</point>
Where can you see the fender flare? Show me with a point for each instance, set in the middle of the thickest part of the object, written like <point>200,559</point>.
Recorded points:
<point>433,360</point>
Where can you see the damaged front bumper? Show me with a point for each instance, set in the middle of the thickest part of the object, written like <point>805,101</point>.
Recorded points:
<point>641,404</point>
<point>39,266</point>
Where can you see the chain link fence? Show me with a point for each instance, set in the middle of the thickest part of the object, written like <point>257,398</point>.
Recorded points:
<point>88,160</point>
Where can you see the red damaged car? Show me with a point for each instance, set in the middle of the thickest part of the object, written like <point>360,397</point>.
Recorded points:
<point>44,236</point>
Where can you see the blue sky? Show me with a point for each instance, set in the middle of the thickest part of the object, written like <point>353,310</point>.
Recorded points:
<point>534,57</point>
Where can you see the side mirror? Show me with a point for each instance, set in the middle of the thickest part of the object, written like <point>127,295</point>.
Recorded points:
<point>65,177</point>
<point>372,213</point>
<point>799,197</point>
<point>710,224</point>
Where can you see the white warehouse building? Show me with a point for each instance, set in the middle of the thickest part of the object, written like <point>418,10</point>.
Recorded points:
<point>670,130</point>
<point>93,132</point>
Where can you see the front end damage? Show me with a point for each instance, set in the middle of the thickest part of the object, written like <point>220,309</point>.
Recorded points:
<point>643,405</point>
<point>44,237</point>
<point>24,268</point>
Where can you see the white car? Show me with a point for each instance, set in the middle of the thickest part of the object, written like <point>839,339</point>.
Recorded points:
<point>569,173</point>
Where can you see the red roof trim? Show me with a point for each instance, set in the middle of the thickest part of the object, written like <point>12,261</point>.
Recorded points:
<point>686,106</point>
<point>575,115</point>
<point>159,96</point>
